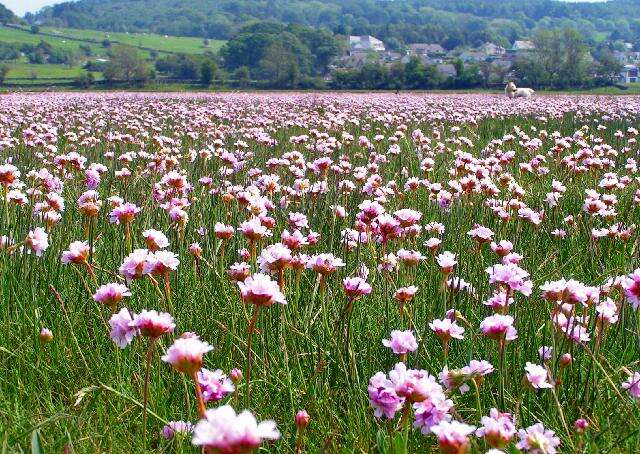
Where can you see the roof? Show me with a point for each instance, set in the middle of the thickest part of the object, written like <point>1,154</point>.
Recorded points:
<point>426,48</point>
<point>447,69</point>
<point>523,45</point>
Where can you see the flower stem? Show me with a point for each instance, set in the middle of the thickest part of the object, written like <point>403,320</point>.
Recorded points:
<point>252,326</point>
<point>145,397</point>
<point>202,409</point>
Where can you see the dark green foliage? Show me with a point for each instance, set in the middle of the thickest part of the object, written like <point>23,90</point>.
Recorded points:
<point>126,65</point>
<point>448,22</point>
<point>4,70</point>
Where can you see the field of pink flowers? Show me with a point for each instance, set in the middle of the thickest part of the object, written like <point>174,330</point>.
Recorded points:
<point>330,272</point>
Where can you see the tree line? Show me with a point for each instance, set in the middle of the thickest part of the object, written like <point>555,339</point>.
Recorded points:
<point>451,23</point>
<point>271,55</point>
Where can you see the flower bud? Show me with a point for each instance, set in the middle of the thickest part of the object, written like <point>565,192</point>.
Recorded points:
<point>302,419</point>
<point>566,360</point>
<point>45,335</point>
<point>581,425</point>
<point>235,375</point>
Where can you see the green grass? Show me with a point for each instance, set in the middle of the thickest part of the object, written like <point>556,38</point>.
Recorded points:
<point>46,71</point>
<point>13,35</point>
<point>160,43</point>
<point>83,392</point>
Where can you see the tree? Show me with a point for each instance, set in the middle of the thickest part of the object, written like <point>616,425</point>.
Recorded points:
<point>35,29</point>
<point>84,80</point>
<point>4,70</point>
<point>279,66</point>
<point>208,72</point>
<point>242,77</point>
<point>126,65</point>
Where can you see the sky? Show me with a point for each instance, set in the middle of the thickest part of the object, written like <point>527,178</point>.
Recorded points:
<point>20,7</point>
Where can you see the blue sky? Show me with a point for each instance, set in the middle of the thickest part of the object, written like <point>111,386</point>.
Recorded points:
<point>20,7</point>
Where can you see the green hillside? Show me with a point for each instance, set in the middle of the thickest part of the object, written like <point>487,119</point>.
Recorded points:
<point>79,47</point>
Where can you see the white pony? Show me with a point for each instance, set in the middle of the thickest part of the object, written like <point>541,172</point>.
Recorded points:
<point>513,92</point>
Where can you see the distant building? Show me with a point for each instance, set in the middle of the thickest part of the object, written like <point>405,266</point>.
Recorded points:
<point>492,50</point>
<point>629,74</point>
<point>447,69</point>
<point>472,56</point>
<point>523,46</point>
<point>365,43</point>
<point>425,50</point>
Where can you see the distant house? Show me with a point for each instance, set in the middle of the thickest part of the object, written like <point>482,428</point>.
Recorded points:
<point>391,56</point>
<point>447,69</point>
<point>523,46</point>
<point>629,74</point>
<point>492,50</point>
<point>472,56</point>
<point>425,50</point>
<point>365,43</point>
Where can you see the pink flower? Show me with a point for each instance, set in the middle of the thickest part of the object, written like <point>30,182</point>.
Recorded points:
<point>185,355</point>
<point>155,240</point>
<point>446,261</point>
<point>537,440</point>
<point>133,265</point>
<point>498,327</point>
<point>222,231</point>
<point>214,385</point>
<point>407,217</point>
<point>631,286</point>
<point>355,287</point>
<point>174,428</point>
<point>275,257</point>
<point>124,213</point>
<point>502,248</point>
<point>512,276</point>
<point>78,253</point>
<point>480,234</point>
<point>195,249</point>
<point>632,385</point>
<point>445,329</point>
<point>324,263</point>
<point>498,429</point>
<point>153,323</point>
<point>160,262</point>
<point>405,294</point>
<point>383,397</point>
<point>453,437</point>
<point>253,229</point>
<point>432,411</point>
<point>537,376</point>
<point>239,271</point>
<point>38,241</point>
<point>401,342</point>
<point>410,258</point>
<point>122,332</point>
<point>225,432</point>
<point>111,294</point>
<point>298,221</point>
<point>294,240</point>
<point>498,302</point>
<point>260,290</point>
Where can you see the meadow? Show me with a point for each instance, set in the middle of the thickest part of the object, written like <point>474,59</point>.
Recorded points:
<point>360,272</point>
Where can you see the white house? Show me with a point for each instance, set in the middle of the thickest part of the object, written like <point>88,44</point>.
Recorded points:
<point>519,46</point>
<point>365,43</point>
<point>629,74</point>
